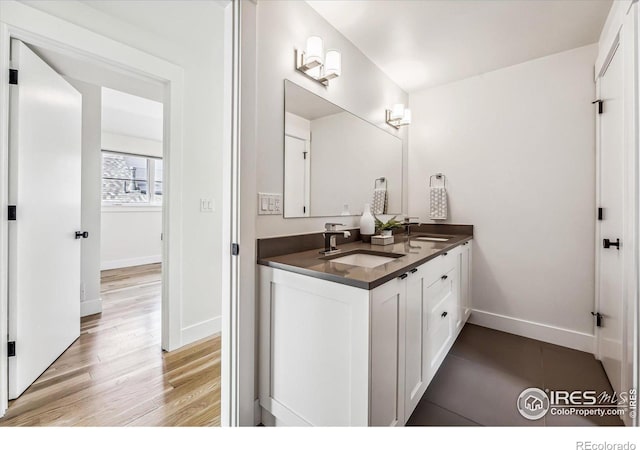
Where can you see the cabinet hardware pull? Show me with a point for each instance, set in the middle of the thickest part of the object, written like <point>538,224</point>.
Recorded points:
<point>403,276</point>
<point>444,277</point>
<point>444,314</point>
<point>445,254</point>
<point>414,270</point>
<point>606,243</point>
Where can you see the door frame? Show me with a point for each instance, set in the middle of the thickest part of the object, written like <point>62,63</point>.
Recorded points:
<point>625,40</point>
<point>22,22</point>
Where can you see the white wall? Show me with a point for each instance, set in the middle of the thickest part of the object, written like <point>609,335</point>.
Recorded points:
<point>347,156</point>
<point>91,197</point>
<point>130,236</point>
<point>191,35</point>
<point>517,146</point>
<point>362,89</point>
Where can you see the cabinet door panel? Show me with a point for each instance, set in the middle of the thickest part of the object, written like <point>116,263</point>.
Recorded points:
<point>415,378</point>
<point>386,359</point>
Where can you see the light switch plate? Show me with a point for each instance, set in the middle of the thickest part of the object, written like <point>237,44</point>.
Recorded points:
<point>207,205</point>
<point>269,204</point>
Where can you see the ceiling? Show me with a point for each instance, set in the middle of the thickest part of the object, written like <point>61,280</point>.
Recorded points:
<point>421,44</point>
<point>131,115</point>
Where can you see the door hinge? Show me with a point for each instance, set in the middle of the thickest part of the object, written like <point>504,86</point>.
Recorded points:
<point>600,103</point>
<point>11,348</point>
<point>235,249</point>
<point>12,212</point>
<point>598,317</point>
<point>13,76</point>
<point>600,213</point>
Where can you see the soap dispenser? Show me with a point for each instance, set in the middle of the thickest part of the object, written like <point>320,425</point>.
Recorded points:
<point>367,224</point>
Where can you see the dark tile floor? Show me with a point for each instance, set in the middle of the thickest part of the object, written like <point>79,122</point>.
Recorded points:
<point>486,370</point>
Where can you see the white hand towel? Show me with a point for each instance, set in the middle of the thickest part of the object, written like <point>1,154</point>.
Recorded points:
<point>379,202</point>
<point>438,207</point>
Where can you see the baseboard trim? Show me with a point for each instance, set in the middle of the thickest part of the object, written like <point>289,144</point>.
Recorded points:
<point>130,262</point>
<point>89,307</point>
<point>534,330</point>
<point>200,330</point>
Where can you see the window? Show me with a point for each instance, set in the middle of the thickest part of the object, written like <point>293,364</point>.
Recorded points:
<point>131,179</point>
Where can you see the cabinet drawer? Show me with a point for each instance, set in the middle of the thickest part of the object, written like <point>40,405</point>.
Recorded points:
<point>449,259</point>
<point>441,287</point>
<point>441,320</point>
<point>434,269</point>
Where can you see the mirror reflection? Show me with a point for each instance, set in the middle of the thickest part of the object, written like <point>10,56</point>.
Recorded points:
<point>336,162</point>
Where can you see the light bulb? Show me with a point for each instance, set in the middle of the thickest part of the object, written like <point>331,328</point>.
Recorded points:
<point>397,111</point>
<point>333,64</point>
<point>406,117</point>
<point>314,50</point>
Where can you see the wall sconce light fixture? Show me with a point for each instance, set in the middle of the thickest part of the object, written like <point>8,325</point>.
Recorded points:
<point>315,64</point>
<point>398,116</point>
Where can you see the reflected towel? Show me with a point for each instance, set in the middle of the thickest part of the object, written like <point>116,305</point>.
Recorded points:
<point>438,206</point>
<point>379,202</point>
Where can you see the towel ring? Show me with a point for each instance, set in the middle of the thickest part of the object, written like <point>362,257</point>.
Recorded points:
<point>438,176</point>
<point>382,180</point>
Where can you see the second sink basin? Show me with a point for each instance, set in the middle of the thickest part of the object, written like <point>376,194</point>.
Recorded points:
<point>363,258</point>
<point>439,238</point>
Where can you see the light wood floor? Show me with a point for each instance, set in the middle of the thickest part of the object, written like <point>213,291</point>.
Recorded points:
<point>115,374</point>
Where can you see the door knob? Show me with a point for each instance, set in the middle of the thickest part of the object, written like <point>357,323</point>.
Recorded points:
<point>598,317</point>
<point>82,234</point>
<point>606,243</point>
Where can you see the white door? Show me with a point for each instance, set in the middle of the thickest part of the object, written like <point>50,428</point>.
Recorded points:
<point>296,181</point>
<point>611,226</point>
<point>44,184</point>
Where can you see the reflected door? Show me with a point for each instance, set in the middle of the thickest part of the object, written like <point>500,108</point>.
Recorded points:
<point>296,182</point>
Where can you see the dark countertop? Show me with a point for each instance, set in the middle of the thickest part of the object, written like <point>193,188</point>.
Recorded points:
<point>311,263</point>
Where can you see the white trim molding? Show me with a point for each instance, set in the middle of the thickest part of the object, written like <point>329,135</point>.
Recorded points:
<point>615,19</point>
<point>90,307</point>
<point>534,330</point>
<point>130,262</point>
<point>201,330</point>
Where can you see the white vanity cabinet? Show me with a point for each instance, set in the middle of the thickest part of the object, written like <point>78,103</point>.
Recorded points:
<point>337,355</point>
<point>431,319</point>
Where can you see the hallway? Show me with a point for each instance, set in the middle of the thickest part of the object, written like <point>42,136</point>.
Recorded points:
<point>116,374</point>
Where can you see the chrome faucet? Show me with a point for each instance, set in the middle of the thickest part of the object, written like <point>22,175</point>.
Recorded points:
<point>330,237</point>
<point>407,224</point>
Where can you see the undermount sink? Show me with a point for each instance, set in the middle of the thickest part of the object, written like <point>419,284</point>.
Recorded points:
<point>364,258</point>
<point>433,238</point>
